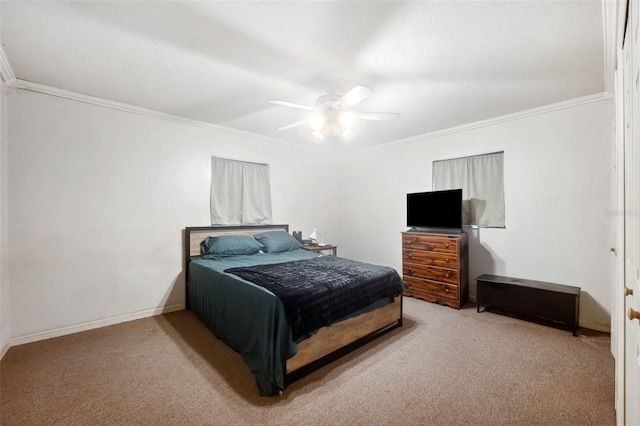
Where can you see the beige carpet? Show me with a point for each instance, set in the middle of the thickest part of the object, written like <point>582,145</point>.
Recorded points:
<point>443,367</point>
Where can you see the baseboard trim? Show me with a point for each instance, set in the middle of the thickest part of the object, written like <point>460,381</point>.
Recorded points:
<point>5,347</point>
<point>93,324</point>
<point>591,325</point>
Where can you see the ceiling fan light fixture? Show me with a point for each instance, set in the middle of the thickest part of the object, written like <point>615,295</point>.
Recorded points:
<point>317,121</point>
<point>330,123</point>
<point>334,115</point>
<point>347,119</point>
<point>318,134</point>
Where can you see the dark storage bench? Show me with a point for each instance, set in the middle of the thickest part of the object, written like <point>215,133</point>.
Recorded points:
<point>555,302</point>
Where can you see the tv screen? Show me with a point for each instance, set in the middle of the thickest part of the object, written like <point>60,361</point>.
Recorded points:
<point>435,209</point>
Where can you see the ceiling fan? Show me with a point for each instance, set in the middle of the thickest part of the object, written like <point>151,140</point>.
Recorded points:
<point>334,114</point>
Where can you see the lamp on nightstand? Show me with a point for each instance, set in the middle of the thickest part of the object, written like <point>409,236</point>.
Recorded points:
<point>315,237</point>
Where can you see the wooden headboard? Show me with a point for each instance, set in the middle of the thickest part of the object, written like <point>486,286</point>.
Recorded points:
<point>194,235</point>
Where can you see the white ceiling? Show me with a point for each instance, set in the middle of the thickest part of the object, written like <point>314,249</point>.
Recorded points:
<point>440,64</point>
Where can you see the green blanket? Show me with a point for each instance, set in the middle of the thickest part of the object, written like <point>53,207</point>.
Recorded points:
<point>248,318</point>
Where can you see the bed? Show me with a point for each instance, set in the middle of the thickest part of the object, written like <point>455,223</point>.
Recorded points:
<point>277,342</point>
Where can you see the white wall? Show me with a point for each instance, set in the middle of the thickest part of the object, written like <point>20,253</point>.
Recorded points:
<point>98,199</point>
<point>557,194</point>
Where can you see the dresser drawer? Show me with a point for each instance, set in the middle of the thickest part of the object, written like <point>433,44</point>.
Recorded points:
<point>437,243</point>
<point>430,273</point>
<point>413,285</point>
<point>445,260</point>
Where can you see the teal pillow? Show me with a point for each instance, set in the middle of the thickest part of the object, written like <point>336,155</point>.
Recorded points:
<point>229,245</point>
<point>278,241</point>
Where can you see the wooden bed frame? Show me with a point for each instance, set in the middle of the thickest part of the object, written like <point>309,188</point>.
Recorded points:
<point>329,343</point>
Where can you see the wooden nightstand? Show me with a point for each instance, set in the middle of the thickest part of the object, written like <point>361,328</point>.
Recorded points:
<point>320,249</point>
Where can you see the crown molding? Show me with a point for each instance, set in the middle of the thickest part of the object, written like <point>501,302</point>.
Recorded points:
<point>572,103</point>
<point>120,106</point>
<point>611,29</point>
<point>6,72</point>
<point>79,97</point>
<point>133,109</point>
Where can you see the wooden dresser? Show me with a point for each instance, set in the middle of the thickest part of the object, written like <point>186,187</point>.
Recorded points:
<point>435,267</point>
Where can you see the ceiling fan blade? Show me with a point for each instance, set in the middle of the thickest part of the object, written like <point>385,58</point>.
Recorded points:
<point>292,105</point>
<point>353,96</point>
<point>382,116</point>
<point>292,125</point>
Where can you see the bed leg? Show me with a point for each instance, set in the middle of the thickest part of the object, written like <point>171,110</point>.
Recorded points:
<point>187,305</point>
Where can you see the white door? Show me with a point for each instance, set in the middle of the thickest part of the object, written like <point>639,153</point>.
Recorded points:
<point>631,333</point>
<point>617,248</point>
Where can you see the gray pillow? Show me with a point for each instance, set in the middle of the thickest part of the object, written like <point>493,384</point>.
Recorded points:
<point>230,245</point>
<point>278,241</point>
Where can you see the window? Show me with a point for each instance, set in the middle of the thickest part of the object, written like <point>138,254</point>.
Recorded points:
<point>240,193</point>
<point>481,178</point>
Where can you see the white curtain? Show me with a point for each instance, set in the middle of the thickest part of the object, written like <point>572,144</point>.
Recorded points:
<point>481,178</point>
<point>240,193</point>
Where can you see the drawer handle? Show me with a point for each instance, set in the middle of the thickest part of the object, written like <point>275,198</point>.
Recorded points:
<point>628,291</point>
<point>409,271</point>
<point>446,245</point>
<point>446,289</point>
<point>446,260</point>
<point>448,275</point>
<point>633,314</point>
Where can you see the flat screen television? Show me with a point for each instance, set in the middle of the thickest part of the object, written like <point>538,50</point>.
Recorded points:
<point>435,209</point>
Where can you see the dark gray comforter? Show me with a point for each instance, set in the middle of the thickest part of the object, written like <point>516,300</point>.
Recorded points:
<point>320,291</point>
